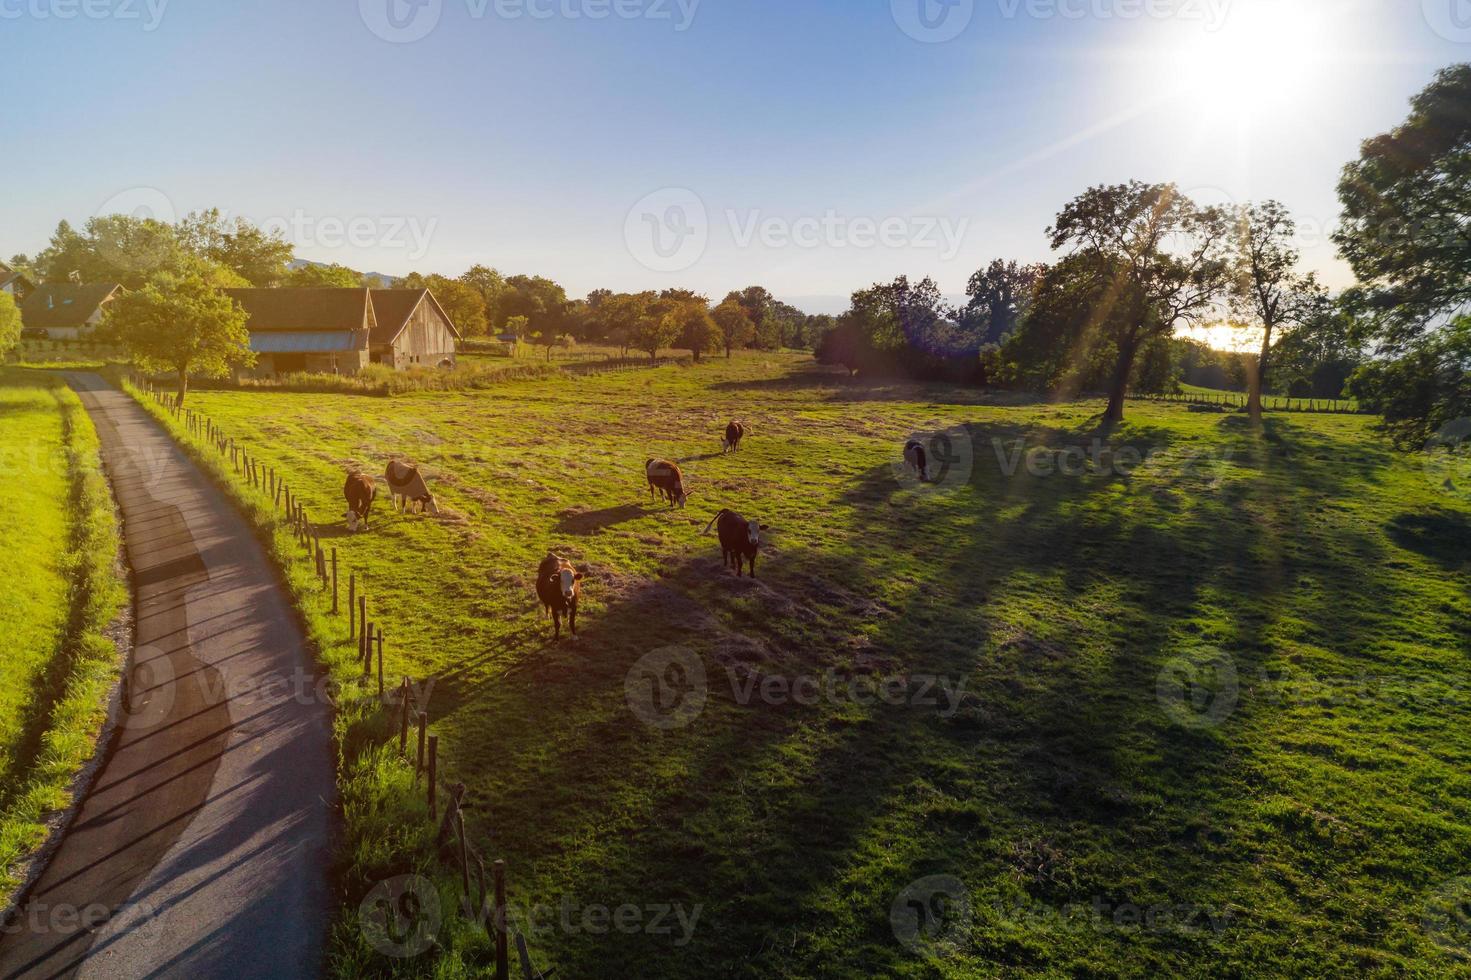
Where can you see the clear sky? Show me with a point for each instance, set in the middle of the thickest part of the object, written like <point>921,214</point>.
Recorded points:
<point>813,146</point>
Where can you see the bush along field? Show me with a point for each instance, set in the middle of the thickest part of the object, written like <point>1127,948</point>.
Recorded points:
<point>1190,699</point>
<point>64,592</point>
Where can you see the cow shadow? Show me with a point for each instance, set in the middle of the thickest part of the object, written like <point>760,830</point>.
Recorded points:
<point>587,522</point>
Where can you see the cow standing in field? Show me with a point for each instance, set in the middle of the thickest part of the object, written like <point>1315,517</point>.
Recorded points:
<point>740,540</point>
<point>734,433</point>
<point>917,459</point>
<point>558,585</point>
<point>665,478</point>
<point>407,485</point>
<point>360,492</point>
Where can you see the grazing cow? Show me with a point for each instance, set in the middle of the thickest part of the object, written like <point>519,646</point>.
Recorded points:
<point>734,433</point>
<point>407,485</point>
<point>740,539</point>
<point>360,492</point>
<point>917,459</point>
<point>666,479</point>
<point>557,586</point>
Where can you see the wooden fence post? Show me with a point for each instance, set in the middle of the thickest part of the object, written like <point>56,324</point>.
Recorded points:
<point>334,582</point>
<point>464,859</point>
<point>380,663</point>
<point>403,720</point>
<point>365,649</point>
<point>423,730</point>
<point>502,953</point>
<point>433,776</point>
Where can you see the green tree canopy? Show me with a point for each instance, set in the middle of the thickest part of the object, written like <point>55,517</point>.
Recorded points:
<point>316,275</point>
<point>735,326</point>
<point>1165,259</point>
<point>9,324</point>
<point>182,322</point>
<point>256,256</point>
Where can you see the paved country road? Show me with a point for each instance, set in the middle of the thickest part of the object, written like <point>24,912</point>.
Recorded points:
<point>202,849</point>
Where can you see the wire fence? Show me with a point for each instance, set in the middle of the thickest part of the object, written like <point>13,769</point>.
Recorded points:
<point>481,903</point>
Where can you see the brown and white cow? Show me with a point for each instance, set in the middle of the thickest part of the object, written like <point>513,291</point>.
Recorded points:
<point>740,540</point>
<point>666,479</point>
<point>408,488</point>
<point>734,433</point>
<point>558,585</point>
<point>360,492</point>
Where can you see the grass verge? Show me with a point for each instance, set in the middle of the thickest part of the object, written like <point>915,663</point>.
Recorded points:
<point>58,680</point>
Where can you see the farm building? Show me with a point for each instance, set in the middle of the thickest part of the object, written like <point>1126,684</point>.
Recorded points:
<point>340,331</point>
<point>14,283</point>
<point>65,310</point>
<point>413,329</point>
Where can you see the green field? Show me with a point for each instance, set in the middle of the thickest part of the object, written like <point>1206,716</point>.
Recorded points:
<point>62,589</point>
<point>1100,813</point>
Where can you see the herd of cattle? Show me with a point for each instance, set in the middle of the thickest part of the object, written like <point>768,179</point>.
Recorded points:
<point>558,582</point>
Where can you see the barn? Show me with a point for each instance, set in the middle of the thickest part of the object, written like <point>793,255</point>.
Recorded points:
<point>413,330</point>
<point>322,331</point>
<point>65,310</point>
<point>341,331</point>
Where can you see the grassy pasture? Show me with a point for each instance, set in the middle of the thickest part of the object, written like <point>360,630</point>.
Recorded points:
<point>1312,819</point>
<point>62,590</point>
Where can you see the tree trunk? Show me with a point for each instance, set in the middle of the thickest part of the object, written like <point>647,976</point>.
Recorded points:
<point>1120,389</point>
<point>1258,382</point>
<point>727,352</point>
<point>183,384</point>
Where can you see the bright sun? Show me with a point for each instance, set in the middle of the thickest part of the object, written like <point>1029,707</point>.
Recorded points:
<point>1259,60</point>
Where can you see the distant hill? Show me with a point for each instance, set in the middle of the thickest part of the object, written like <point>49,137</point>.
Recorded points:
<point>377,279</point>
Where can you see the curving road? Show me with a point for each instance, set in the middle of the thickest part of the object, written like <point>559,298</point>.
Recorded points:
<point>202,849</point>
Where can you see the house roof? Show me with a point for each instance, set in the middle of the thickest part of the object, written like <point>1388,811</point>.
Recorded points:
<point>65,304</point>
<point>305,310</point>
<point>308,342</point>
<point>8,276</point>
<point>395,306</point>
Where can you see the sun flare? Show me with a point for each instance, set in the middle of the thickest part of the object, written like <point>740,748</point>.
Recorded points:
<point>1263,57</point>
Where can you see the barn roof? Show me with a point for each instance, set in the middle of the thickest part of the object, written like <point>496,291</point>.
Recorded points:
<point>65,304</point>
<point>312,310</point>
<point>395,306</point>
<point>308,342</point>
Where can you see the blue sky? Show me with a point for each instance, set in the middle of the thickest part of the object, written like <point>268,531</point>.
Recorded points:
<point>813,146</point>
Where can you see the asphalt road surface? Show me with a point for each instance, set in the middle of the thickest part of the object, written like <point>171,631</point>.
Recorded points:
<point>202,849</point>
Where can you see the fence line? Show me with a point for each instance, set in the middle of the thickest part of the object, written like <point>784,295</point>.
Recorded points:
<point>486,909</point>
<point>1270,403</point>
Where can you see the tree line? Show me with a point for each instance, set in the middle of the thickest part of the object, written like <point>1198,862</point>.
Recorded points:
<point>1138,261</point>
<point>137,251</point>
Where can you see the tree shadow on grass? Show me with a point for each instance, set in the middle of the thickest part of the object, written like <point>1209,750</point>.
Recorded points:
<point>1443,536</point>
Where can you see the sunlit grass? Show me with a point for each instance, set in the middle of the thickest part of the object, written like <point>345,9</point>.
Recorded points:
<point>1313,825</point>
